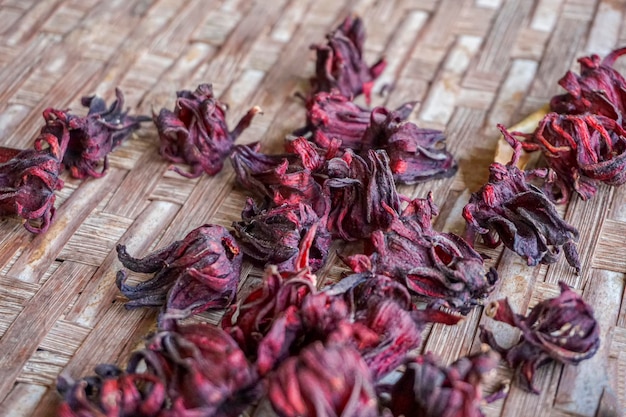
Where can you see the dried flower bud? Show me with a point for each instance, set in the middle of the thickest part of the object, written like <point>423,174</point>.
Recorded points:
<point>523,217</point>
<point>196,132</point>
<point>430,390</point>
<point>192,275</point>
<point>323,382</point>
<point>561,328</point>
<point>94,136</point>
<point>582,149</point>
<point>439,266</point>
<point>272,235</point>
<point>415,154</point>
<point>112,393</point>
<point>332,116</point>
<point>205,370</point>
<point>340,63</point>
<point>363,194</point>
<point>599,89</point>
<point>29,179</point>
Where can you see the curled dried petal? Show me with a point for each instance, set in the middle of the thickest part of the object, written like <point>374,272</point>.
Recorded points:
<point>196,133</point>
<point>192,275</point>
<point>561,328</point>
<point>340,63</point>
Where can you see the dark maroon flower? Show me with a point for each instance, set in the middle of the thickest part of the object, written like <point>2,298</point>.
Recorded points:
<point>196,133</point>
<point>112,393</point>
<point>582,150</point>
<point>272,235</point>
<point>523,217</point>
<point>439,266</point>
<point>192,275</point>
<point>340,63</point>
<point>29,179</point>
<point>599,89</point>
<point>430,390</point>
<point>286,178</point>
<point>94,136</point>
<point>323,381</point>
<point>205,371</point>
<point>332,116</point>
<point>362,192</point>
<point>562,329</point>
<point>415,154</point>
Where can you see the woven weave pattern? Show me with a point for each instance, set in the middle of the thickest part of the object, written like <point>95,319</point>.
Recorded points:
<point>469,63</point>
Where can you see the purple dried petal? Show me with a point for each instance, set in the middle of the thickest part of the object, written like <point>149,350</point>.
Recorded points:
<point>273,235</point>
<point>599,89</point>
<point>29,179</point>
<point>561,328</point>
<point>340,63</point>
<point>323,382</point>
<point>192,275</point>
<point>196,133</point>
<point>439,266</point>
<point>523,217</point>
<point>363,194</point>
<point>430,390</point>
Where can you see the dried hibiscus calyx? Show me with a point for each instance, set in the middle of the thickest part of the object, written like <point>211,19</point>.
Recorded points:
<point>415,154</point>
<point>272,235</point>
<point>582,150</point>
<point>94,136</point>
<point>112,393</point>
<point>599,89</point>
<point>430,390</point>
<point>323,381</point>
<point>562,329</point>
<point>29,179</point>
<point>205,371</point>
<point>196,133</point>
<point>340,63</point>
<point>362,192</point>
<point>332,116</point>
<point>439,266</point>
<point>192,275</point>
<point>523,217</point>
<point>286,178</point>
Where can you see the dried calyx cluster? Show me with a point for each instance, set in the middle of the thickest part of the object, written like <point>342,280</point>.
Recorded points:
<point>330,351</point>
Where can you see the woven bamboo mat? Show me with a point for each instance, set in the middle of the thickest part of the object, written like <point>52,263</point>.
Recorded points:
<point>470,63</point>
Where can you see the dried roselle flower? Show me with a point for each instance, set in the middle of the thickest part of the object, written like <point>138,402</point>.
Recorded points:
<point>272,235</point>
<point>430,390</point>
<point>323,381</point>
<point>439,266</point>
<point>29,179</point>
<point>286,178</point>
<point>192,275</point>
<point>206,372</point>
<point>523,217</point>
<point>196,134</point>
<point>94,136</point>
<point>582,150</point>
<point>561,329</point>
<point>112,393</point>
<point>362,192</point>
<point>415,154</point>
<point>340,63</point>
<point>333,116</point>
<point>599,89</point>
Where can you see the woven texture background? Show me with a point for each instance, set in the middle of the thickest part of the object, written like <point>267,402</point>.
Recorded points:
<point>469,63</point>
